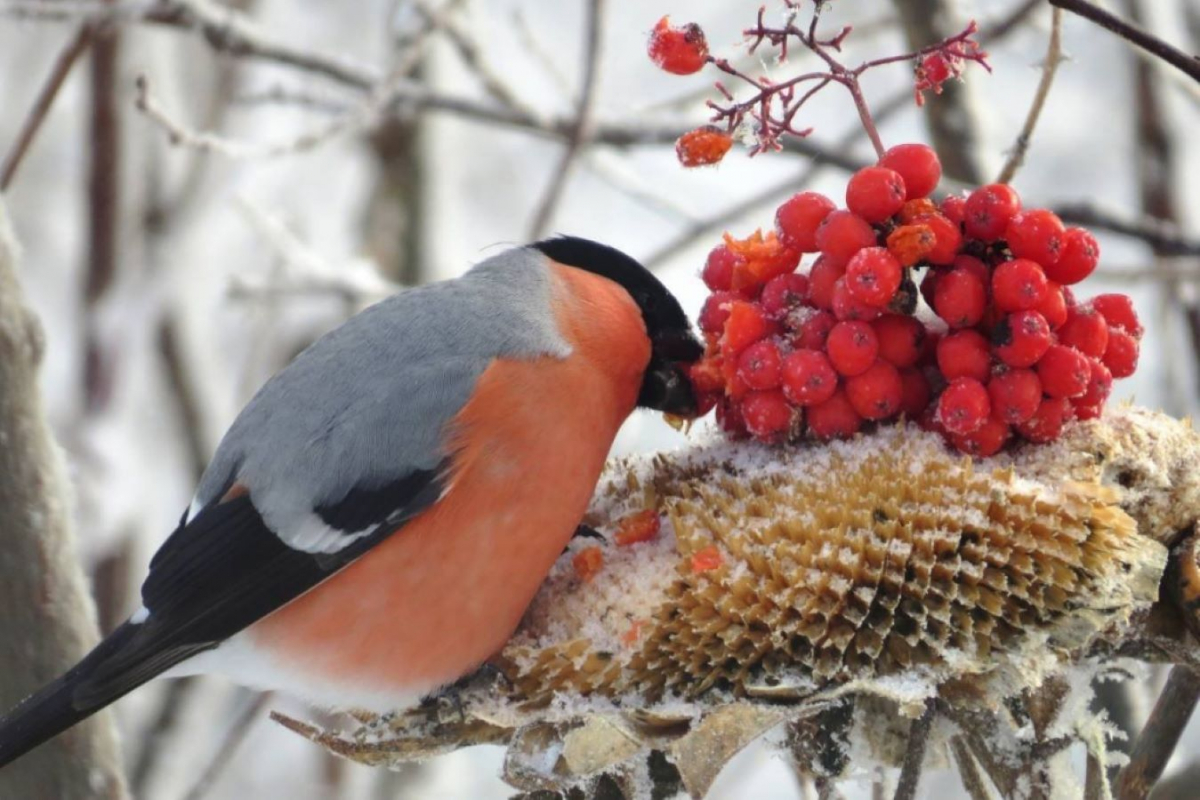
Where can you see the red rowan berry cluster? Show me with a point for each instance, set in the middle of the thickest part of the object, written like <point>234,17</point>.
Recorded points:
<point>1006,352</point>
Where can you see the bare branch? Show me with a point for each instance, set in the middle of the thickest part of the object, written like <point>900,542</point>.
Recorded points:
<point>1158,738</point>
<point>1165,237</point>
<point>1134,34</point>
<point>583,115</point>
<point>1054,57</point>
<point>41,105</point>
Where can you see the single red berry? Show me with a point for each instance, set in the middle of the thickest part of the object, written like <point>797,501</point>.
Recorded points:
<point>759,365</point>
<point>852,347</point>
<point>954,208</point>
<point>1118,312</point>
<point>959,298</point>
<point>947,238</point>
<point>718,269</point>
<point>702,147</point>
<point>715,311</point>
<point>745,326</point>
<point>1047,422</point>
<point>1022,338</point>
<point>1121,355</point>
<point>873,276</point>
<point>814,330</point>
<point>797,219</point>
<point>835,418</point>
<point>876,393</point>
<point>1036,234</point>
<point>963,406</point>
<point>964,354</point>
<point>822,280</point>
<point>875,193</point>
<point>986,440</point>
<point>783,293</point>
<point>901,338</point>
<point>989,209</point>
<point>1085,330</point>
<point>1015,395</point>
<point>916,393</point>
<point>1018,285</point>
<point>681,50</point>
<point>808,378</point>
<point>1099,388</point>
<point>1064,371</point>
<point>768,415</point>
<point>917,164</point>
<point>847,306</point>
<point>1053,306</point>
<point>842,234</point>
<point>1079,257</point>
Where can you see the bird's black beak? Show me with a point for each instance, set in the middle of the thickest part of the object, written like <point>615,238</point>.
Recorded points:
<point>666,386</point>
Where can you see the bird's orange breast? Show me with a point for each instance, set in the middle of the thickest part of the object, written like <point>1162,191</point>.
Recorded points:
<point>445,592</point>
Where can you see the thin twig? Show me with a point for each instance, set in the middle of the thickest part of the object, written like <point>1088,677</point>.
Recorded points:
<point>1158,738</point>
<point>914,754</point>
<point>41,105</point>
<point>234,737</point>
<point>1165,237</point>
<point>1132,33</point>
<point>1054,57</point>
<point>583,119</point>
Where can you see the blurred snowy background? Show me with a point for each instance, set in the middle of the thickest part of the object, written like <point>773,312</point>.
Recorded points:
<point>174,276</point>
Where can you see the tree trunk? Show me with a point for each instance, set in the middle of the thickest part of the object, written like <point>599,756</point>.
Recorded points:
<point>47,619</point>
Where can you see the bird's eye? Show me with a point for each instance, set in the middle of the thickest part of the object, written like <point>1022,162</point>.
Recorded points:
<point>649,302</point>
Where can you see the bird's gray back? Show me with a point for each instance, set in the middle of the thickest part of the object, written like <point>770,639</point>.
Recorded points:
<point>369,401</point>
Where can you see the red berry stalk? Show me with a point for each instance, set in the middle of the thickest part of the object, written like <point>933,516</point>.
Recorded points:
<point>772,107</point>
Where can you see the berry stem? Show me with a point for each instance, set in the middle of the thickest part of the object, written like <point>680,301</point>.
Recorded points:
<point>774,106</point>
<point>864,114</point>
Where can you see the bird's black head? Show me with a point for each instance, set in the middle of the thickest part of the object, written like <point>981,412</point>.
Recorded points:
<point>665,386</point>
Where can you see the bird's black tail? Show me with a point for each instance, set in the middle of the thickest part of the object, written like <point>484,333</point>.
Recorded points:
<point>125,660</point>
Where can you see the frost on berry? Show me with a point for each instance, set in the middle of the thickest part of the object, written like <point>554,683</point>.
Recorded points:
<point>964,406</point>
<point>703,146</point>
<point>678,50</point>
<point>873,276</point>
<point>808,378</point>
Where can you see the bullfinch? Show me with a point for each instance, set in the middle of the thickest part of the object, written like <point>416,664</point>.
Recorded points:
<point>379,516</point>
